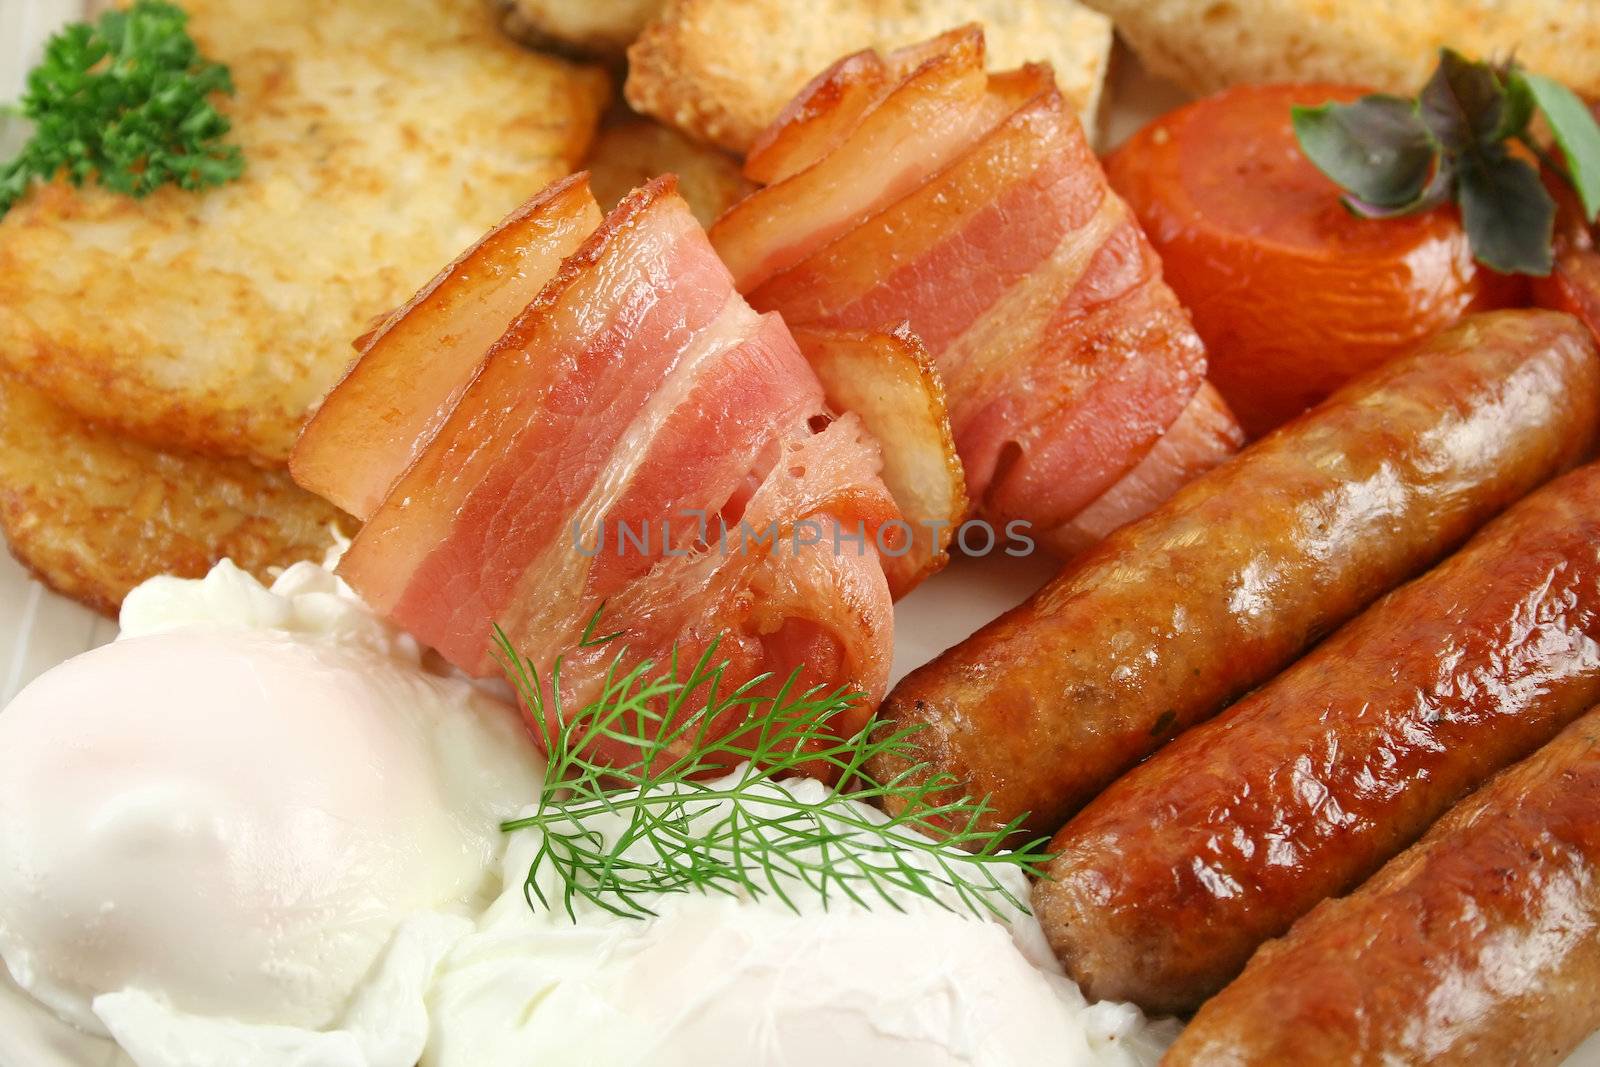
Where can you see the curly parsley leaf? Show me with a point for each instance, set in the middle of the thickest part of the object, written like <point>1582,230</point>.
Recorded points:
<point>1394,156</point>
<point>125,102</point>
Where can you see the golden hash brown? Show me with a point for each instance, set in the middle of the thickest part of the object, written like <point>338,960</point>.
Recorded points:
<point>93,514</point>
<point>380,138</point>
<point>633,151</point>
<point>721,70</point>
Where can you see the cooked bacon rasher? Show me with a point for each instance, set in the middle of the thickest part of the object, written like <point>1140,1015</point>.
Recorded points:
<point>637,389</point>
<point>414,365</point>
<point>972,207</point>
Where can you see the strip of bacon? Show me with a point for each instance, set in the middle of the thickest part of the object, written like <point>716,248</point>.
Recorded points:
<point>631,411</point>
<point>1116,362</point>
<point>832,104</point>
<point>413,368</point>
<point>950,248</point>
<point>776,606</point>
<point>888,381</point>
<point>1063,352</point>
<point>927,120</point>
<point>1205,435</point>
<point>538,426</point>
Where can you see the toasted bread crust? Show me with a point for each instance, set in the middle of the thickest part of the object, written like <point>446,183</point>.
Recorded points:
<point>721,70</point>
<point>1205,45</point>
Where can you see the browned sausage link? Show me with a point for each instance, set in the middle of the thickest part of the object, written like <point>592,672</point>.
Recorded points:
<point>1475,946</point>
<point>1164,885</point>
<point>1174,616</point>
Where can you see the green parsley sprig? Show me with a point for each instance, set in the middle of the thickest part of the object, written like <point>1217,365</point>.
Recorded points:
<point>126,102</point>
<point>683,823</point>
<point>1397,156</point>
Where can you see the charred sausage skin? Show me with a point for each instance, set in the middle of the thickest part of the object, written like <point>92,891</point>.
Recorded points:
<point>1478,945</point>
<point>1163,887</point>
<point>1174,616</point>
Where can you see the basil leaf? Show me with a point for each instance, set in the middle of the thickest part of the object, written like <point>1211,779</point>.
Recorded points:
<point>1463,104</point>
<point>1438,191</point>
<point>1508,214</point>
<point>1576,132</point>
<point>1376,148</point>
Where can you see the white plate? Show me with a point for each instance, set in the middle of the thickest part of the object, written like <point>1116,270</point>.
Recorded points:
<point>39,629</point>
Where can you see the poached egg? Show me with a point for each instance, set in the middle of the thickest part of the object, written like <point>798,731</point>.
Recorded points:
<point>715,979</point>
<point>231,811</point>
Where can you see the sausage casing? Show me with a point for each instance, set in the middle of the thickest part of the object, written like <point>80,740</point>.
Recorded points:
<point>1478,945</point>
<point>1163,887</point>
<point>1172,617</point>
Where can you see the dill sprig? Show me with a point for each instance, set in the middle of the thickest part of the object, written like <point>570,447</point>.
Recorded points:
<point>127,102</point>
<point>701,807</point>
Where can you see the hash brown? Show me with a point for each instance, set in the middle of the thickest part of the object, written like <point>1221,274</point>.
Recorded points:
<point>93,515</point>
<point>380,138</point>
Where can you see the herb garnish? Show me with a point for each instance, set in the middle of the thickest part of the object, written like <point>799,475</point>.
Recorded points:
<point>127,102</point>
<point>1396,156</point>
<point>689,825</point>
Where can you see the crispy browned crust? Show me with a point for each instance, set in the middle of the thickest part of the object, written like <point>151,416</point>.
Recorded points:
<point>92,514</point>
<point>380,139</point>
<point>722,70</point>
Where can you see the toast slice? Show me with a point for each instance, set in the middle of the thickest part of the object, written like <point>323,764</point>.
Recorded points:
<point>722,70</point>
<point>1206,45</point>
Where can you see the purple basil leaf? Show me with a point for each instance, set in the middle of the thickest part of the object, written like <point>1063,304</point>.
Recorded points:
<point>1376,149</point>
<point>1508,214</point>
<point>1463,104</point>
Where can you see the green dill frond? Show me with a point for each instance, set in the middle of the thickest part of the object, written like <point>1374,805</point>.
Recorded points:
<point>677,821</point>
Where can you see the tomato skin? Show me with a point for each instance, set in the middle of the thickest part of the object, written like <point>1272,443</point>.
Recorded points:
<point>1292,293</point>
<point>1573,287</point>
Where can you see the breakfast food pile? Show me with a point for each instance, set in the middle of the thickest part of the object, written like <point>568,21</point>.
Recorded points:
<point>514,436</point>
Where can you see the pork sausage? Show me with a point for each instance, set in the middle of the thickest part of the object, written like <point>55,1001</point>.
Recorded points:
<point>1475,946</point>
<point>1163,887</point>
<point>1174,616</point>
